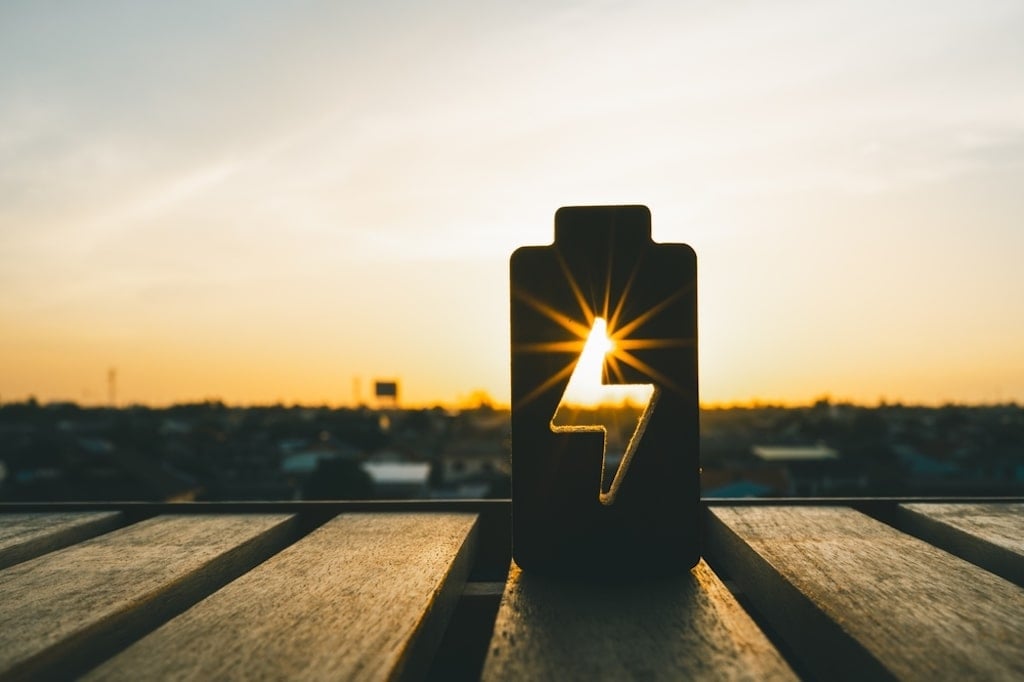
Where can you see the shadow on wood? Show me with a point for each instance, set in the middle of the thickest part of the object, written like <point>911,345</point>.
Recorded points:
<point>675,627</point>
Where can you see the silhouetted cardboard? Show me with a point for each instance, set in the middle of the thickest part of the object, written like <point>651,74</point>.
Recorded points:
<point>573,513</point>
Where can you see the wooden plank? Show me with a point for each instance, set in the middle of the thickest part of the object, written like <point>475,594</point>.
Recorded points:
<point>857,599</point>
<point>64,610</point>
<point>686,627</point>
<point>25,536</point>
<point>366,596</point>
<point>990,535</point>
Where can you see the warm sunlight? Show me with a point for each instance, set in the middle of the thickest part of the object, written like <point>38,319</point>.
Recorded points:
<point>586,387</point>
<point>381,163</point>
<point>620,410</point>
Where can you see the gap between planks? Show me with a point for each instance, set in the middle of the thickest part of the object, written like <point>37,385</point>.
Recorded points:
<point>855,598</point>
<point>363,596</point>
<point>24,536</point>
<point>990,534</point>
<point>64,611</point>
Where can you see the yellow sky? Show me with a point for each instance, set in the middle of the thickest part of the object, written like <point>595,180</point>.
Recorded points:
<point>260,202</point>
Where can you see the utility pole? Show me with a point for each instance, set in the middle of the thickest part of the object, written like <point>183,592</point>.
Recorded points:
<point>112,386</point>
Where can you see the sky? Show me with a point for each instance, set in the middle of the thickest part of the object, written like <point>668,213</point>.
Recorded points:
<point>268,202</point>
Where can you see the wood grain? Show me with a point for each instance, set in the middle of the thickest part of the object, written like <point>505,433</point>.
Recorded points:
<point>857,599</point>
<point>677,628</point>
<point>62,610</point>
<point>366,596</point>
<point>990,535</point>
<point>25,536</point>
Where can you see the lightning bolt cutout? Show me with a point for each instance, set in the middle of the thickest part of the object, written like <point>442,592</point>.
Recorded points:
<point>586,393</point>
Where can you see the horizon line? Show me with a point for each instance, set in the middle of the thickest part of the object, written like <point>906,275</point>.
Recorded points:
<point>751,403</point>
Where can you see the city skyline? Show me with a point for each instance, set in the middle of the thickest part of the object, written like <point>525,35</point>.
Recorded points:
<point>256,202</point>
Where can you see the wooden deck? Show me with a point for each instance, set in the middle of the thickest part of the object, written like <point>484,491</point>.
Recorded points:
<point>822,589</point>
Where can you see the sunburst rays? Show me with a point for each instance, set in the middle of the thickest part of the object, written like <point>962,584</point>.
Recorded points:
<point>619,331</point>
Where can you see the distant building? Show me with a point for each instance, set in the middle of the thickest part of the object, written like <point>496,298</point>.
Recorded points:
<point>757,480</point>
<point>301,457</point>
<point>470,469</point>
<point>742,488</point>
<point>396,480</point>
<point>812,470</point>
<point>794,453</point>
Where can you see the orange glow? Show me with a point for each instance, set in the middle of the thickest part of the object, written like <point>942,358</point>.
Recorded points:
<point>317,229</point>
<point>589,404</point>
<point>586,387</point>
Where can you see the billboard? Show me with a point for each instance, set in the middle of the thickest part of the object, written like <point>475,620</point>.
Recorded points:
<point>386,389</point>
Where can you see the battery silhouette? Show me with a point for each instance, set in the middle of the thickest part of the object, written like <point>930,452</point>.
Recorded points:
<point>605,434</point>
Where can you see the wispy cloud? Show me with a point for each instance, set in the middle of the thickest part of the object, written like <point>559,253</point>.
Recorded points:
<point>259,152</point>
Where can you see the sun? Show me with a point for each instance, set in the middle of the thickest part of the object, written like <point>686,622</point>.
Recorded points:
<point>589,404</point>
<point>604,350</point>
<point>587,387</point>
<point>603,345</point>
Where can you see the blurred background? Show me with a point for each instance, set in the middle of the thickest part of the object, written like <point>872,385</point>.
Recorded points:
<point>224,225</point>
